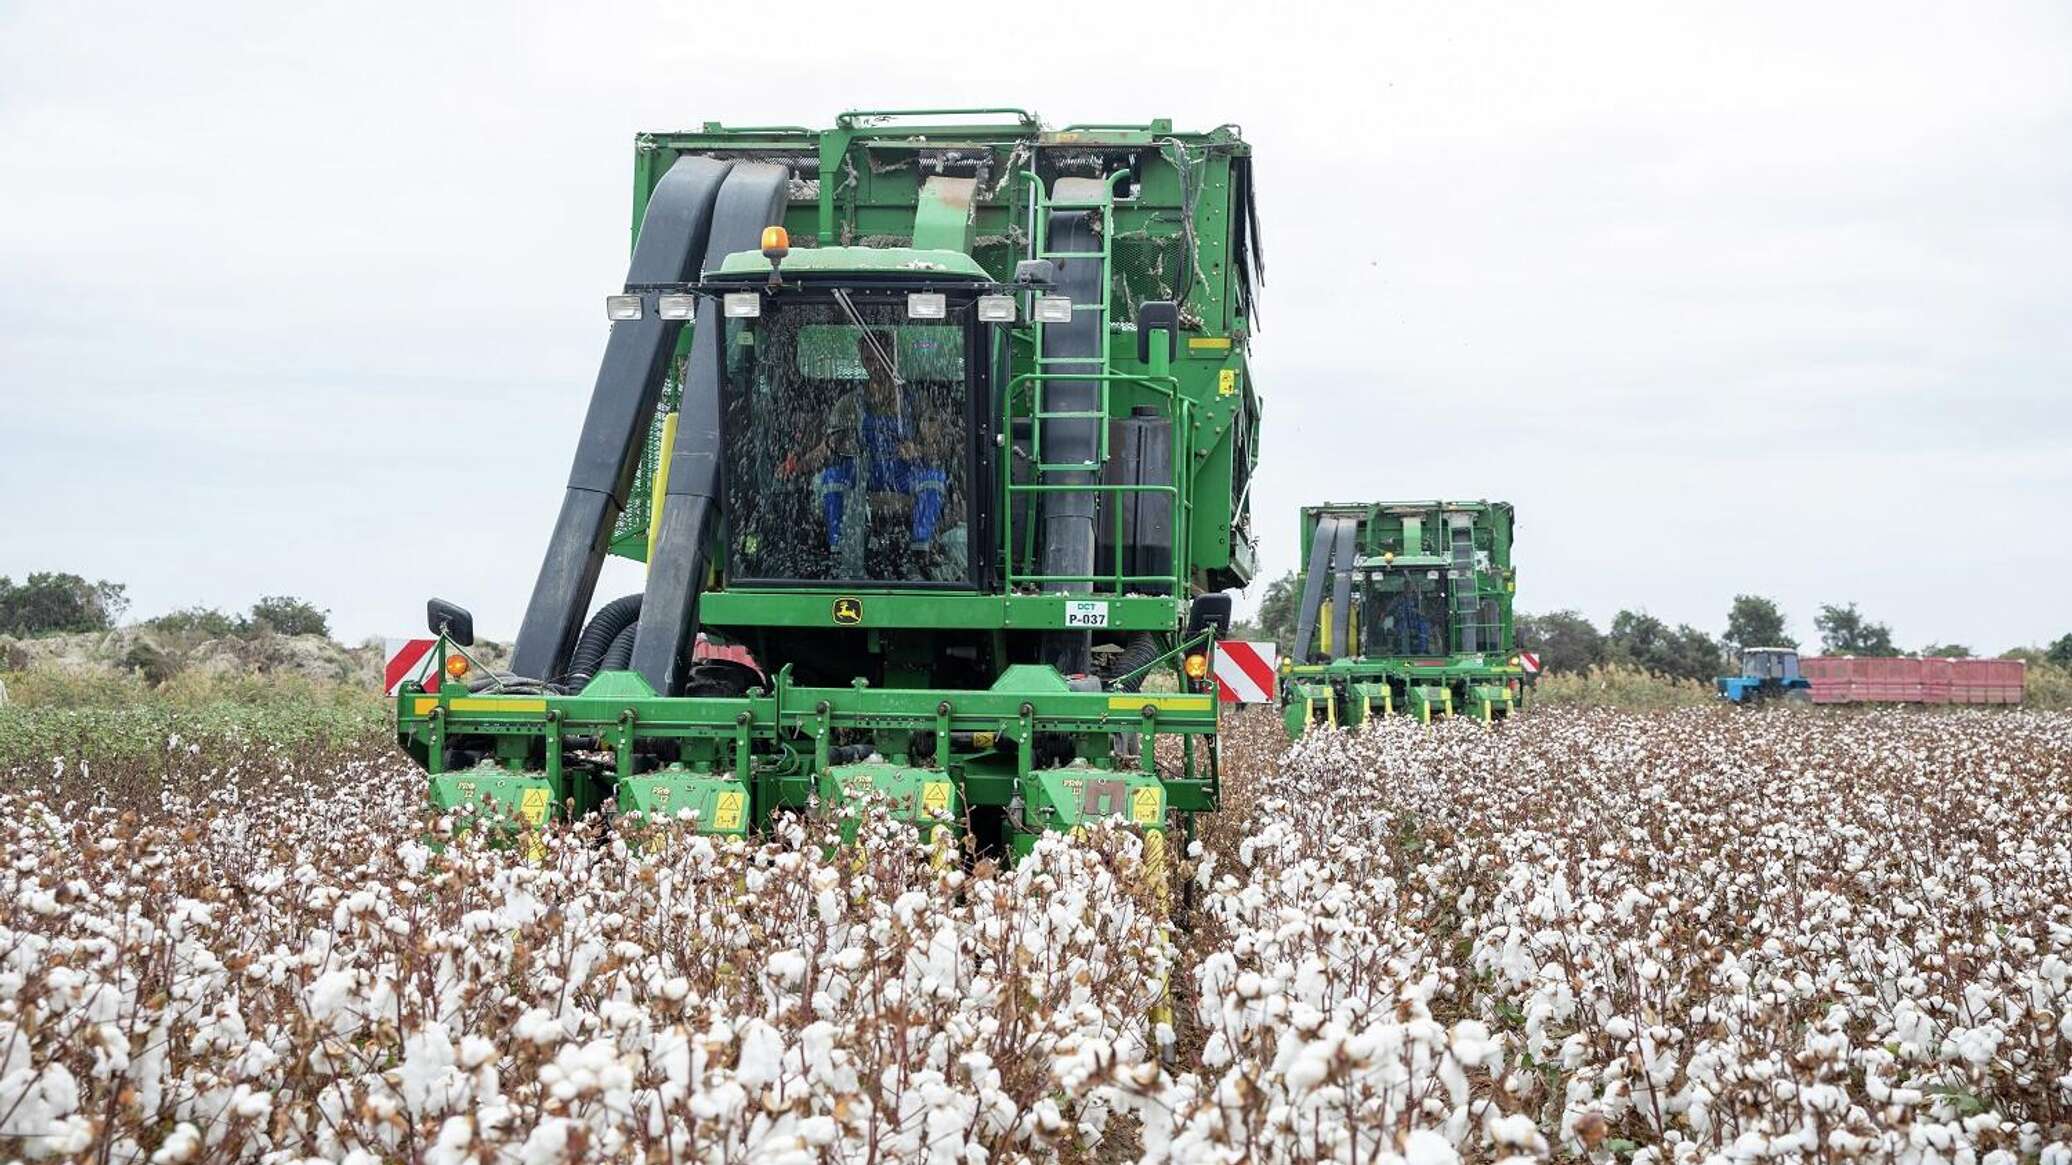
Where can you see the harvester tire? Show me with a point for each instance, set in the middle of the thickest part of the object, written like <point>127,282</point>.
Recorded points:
<point>720,677</point>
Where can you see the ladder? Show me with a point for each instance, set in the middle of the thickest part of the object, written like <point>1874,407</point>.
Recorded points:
<point>1043,205</point>
<point>1047,476</point>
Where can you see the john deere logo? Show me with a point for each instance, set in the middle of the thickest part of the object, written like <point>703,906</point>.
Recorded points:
<point>848,612</point>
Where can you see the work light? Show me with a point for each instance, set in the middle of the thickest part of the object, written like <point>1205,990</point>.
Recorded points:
<point>677,307</point>
<point>926,305</point>
<point>619,308</point>
<point>1054,309</point>
<point>996,309</point>
<point>743,305</point>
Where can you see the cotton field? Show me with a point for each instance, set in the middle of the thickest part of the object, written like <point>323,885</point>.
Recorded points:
<point>1678,937</point>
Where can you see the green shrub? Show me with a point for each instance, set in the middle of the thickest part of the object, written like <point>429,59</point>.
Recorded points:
<point>287,615</point>
<point>94,715</point>
<point>1622,686</point>
<point>2047,686</point>
<point>48,603</point>
<point>205,622</point>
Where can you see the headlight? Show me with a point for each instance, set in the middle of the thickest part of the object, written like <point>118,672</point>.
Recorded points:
<point>677,307</point>
<point>619,308</point>
<point>996,309</point>
<point>744,305</point>
<point>1054,309</point>
<point>926,305</point>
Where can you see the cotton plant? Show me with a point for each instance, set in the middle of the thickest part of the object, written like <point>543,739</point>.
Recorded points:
<point>1684,938</point>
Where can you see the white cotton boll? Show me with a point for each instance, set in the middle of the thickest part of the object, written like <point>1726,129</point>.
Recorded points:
<point>1426,1147</point>
<point>451,1148</point>
<point>475,1051</point>
<point>787,967</point>
<point>179,1146</point>
<point>426,1077</point>
<point>548,1144</point>
<point>819,1130</point>
<point>328,996</point>
<point>520,909</point>
<point>1473,1046</point>
<point>1312,1067</point>
<point>539,1026</point>
<point>762,1055</point>
<point>1517,1132</point>
<point>247,1102</point>
<point>908,907</point>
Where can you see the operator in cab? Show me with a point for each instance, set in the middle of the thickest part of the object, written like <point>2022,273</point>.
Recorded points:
<point>881,455</point>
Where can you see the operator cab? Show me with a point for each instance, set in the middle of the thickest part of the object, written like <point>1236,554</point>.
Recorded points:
<point>1404,613</point>
<point>856,418</point>
<point>1770,663</point>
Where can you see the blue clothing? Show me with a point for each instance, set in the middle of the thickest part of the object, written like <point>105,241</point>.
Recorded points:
<point>1413,630</point>
<point>879,436</point>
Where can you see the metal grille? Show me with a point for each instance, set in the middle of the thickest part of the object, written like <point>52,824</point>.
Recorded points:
<point>1148,267</point>
<point>633,521</point>
<point>999,253</point>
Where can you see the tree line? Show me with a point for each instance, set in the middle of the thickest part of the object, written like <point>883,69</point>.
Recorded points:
<point>1568,641</point>
<point>53,603</point>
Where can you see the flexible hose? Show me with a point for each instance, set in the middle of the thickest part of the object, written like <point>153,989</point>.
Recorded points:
<point>1140,651</point>
<point>619,656</point>
<point>596,640</point>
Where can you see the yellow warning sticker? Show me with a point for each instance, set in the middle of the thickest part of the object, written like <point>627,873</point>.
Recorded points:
<point>1131,703</point>
<point>726,809</point>
<point>1226,382</point>
<point>935,797</point>
<point>984,739</point>
<point>423,705</point>
<point>1145,808</point>
<point>1209,343</point>
<point>498,704</point>
<point>532,805</point>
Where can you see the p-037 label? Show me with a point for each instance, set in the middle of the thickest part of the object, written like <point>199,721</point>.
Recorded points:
<point>1082,613</point>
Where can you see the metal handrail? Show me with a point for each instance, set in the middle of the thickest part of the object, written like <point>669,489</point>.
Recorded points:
<point>848,119</point>
<point>1030,385</point>
<point>1200,639</point>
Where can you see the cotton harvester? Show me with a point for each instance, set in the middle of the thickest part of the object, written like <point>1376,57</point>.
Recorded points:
<point>939,425</point>
<point>1416,618</point>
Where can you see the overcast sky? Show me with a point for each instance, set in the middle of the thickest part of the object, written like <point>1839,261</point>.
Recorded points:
<point>1724,297</point>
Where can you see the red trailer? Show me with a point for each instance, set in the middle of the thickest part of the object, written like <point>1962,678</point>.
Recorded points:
<point>1847,679</point>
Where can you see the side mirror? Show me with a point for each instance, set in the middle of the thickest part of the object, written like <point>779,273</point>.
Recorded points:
<point>1210,610</point>
<point>1158,315</point>
<point>1035,273</point>
<point>451,620</point>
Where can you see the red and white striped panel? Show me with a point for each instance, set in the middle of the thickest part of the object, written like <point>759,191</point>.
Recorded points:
<point>1530,661</point>
<point>406,659</point>
<point>1245,671</point>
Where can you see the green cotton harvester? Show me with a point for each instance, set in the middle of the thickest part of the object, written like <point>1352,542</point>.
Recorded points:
<point>1405,607</point>
<point>934,431</point>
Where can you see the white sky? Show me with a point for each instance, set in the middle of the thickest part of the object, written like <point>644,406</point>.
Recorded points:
<point>1725,297</point>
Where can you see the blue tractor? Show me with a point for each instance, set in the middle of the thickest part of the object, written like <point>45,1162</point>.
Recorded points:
<point>1767,673</point>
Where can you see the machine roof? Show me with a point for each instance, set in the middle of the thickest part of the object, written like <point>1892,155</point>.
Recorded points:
<point>858,261</point>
